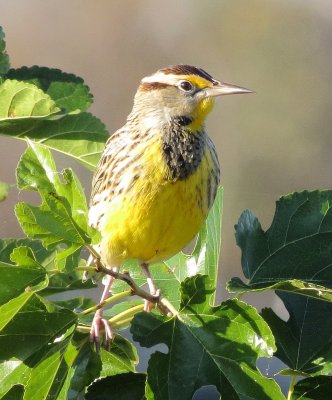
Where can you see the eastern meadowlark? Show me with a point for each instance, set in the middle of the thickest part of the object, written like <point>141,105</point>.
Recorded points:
<point>159,173</point>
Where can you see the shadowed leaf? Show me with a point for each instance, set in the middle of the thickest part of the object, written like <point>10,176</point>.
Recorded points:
<point>297,247</point>
<point>120,387</point>
<point>318,388</point>
<point>296,339</point>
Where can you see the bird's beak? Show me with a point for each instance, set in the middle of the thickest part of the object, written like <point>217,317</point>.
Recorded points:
<point>222,88</point>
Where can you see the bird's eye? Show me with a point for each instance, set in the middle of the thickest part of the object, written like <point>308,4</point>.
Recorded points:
<point>186,86</point>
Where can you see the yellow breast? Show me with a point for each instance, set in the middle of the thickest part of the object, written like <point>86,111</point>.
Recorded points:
<point>156,217</point>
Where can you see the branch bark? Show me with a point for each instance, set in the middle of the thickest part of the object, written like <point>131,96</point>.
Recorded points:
<point>164,306</point>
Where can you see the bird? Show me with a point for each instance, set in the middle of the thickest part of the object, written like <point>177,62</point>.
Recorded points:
<point>158,175</point>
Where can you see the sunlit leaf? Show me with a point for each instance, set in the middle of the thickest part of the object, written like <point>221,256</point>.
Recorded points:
<point>21,99</point>
<point>223,342</point>
<point>80,136</point>
<point>67,90</point>
<point>163,277</point>
<point>62,216</point>
<point>37,171</point>
<point>51,223</point>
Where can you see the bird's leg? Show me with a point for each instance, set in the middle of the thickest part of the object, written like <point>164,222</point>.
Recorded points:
<point>98,320</point>
<point>148,306</point>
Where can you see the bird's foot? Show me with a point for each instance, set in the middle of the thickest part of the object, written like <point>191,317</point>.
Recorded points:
<point>99,323</point>
<point>150,305</point>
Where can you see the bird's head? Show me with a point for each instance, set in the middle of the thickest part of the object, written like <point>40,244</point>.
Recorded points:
<point>183,92</point>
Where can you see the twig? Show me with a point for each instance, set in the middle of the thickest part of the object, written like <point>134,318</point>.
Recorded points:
<point>239,295</point>
<point>120,319</point>
<point>163,304</point>
<point>127,314</point>
<point>291,387</point>
<point>169,306</point>
<point>112,299</point>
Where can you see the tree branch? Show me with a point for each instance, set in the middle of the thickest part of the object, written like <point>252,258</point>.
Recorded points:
<point>164,306</point>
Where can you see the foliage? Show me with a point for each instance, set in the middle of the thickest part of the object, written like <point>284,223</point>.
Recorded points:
<point>44,345</point>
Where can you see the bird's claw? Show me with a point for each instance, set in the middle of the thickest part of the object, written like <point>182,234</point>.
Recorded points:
<point>149,305</point>
<point>99,323</point>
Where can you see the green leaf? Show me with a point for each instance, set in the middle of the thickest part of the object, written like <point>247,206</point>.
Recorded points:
<point>223,342</point>
<point>318,388</point>
<point>64,281</point>
<point>4,59</point>
<point>15,279</point>
<point>163,277</point>
<point>24,257</point>
<point>28,322</point>
<point>297,246</point>
<point>296,339</point>
<point>67,90</point>
<point>80,136</point>
<point>119,387</point>
<point>80,366</point>
<point>73,192</point>
<point>39,350</point>
<point>85,365</point>
<point>40,253</point>
<point>15,393</point>
<point>37,171</point>
<point>77,304</point>
<point>58,282</point>
<point>59,370</point>
<point>62,216</point>
<point>121,358</point>
<point>292,285</point>
<point>21,99</point>
<point>4,189</point>
<point>51,223</point>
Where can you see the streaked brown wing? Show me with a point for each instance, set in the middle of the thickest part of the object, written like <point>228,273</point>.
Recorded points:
<point>103,179</point>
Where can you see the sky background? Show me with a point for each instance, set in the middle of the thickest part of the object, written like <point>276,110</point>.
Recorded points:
<point>272,143</point>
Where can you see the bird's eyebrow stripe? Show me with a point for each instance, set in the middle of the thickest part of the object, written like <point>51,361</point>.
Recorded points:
<point>146,86</point>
